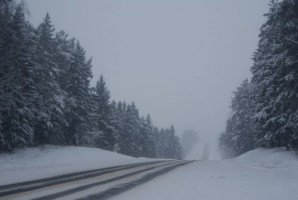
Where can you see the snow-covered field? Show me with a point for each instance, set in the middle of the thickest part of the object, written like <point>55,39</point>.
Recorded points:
<point>34,163</point>
<point>257,175</point>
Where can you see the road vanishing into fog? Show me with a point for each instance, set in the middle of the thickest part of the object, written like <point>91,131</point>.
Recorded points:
<point>93,184</point>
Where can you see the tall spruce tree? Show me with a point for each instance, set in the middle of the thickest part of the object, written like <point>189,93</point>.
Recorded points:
<point>117,119</point>
<point>49,100</point>
<point>17,89</point>
<point>275,75</point>
<point>173,149</point>
<point>63,56</point>
<point>103,116</point>
<point>238,137</point>
<point>129,142</point>
<point>148,141</point>
<point>78,101</point>
<point>5,78</point>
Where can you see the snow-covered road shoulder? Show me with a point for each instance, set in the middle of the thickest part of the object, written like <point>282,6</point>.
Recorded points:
<point>34,163</point>
<point>269,158</point>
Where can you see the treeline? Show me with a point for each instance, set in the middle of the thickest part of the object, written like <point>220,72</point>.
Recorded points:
<point>265,109</point>
<point>46,97</point>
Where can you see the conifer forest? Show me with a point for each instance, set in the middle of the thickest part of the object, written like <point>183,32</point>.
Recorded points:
<point>265,108</point>
<point>46,96</point>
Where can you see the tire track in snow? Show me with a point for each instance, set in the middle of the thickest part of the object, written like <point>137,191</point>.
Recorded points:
<point>21,187</point>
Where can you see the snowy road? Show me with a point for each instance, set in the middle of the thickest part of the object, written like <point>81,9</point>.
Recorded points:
<point>93,184</point>
<point>257,175</point>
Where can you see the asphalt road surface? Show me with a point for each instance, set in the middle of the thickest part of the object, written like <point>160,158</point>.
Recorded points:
<point>93,184</point>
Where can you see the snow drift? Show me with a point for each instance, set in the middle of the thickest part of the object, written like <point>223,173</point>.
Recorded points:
<point>34,163</point>
<point>270,158</point>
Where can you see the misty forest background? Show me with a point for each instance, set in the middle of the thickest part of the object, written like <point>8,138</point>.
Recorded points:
<point>46,97</point>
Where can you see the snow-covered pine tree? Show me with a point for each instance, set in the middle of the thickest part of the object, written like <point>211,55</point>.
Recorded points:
<point>104,129</point>
<point>50,119</point>
<point>238,137</point>
<point>17,88</point>
<point>275,77</point>
<point>174,147</point>
<point>168,142</point>
<point>131,132</point>
<point>117,120</point>
<point>148,141</point>
<point>78,98</point>
<point>5,34</point>
<point>120,124</point>
<point>168,145</point>
<point>116,123</point>
<point>160,142</point>
<point>63,55</point>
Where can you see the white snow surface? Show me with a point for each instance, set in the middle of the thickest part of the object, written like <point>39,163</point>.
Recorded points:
<point>46,161</point>
<point>261,174</point>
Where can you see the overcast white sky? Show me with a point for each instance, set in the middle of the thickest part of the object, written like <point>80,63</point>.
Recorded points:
<point>179,60</point>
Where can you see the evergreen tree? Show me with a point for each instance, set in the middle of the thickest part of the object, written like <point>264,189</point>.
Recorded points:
<point>78,101</point>
<point>159,133</point>
<point>238,137</point>
<point>168,144</point>
<point>103,116</point>
<point>5,78</point>
<point>129,137</point>
<point>148,141</point>
<point>173,149</point>
<point>63,56</point>
<point>17,89</point>
<point>117,119</point>
<point>274,78</point>
<point>49,101</point>
<point>116,123</point>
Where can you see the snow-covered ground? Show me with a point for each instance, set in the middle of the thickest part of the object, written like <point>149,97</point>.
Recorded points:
<point>257,175</point>
<point>34,163</point>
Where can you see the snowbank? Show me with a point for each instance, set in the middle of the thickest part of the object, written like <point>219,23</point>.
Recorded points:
<point>34,163</point>
<point>270,158</point>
